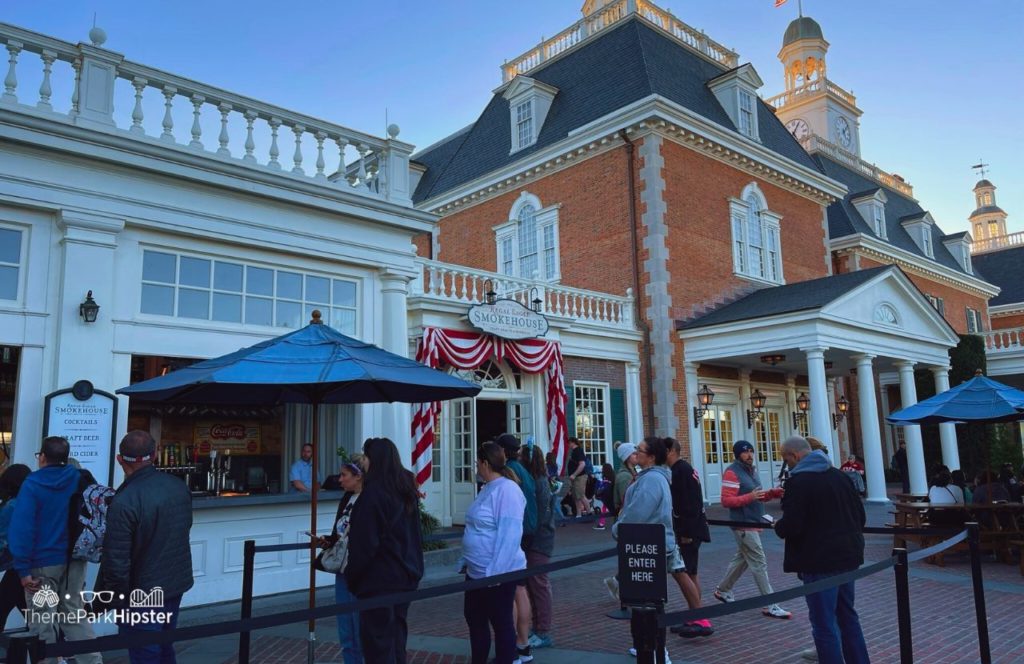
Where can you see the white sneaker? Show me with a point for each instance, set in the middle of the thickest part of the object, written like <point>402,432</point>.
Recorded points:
<point>612,584</point>
<point>632,652</point>
<point>724,596</point>
<point>776,611</point>
<point>668,660</point>
<point>810,655</point>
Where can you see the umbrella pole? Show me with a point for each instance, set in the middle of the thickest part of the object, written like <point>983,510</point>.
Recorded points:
<point>315,437</point>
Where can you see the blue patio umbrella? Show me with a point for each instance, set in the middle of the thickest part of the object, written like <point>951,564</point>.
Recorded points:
<point>313,365</point>
<point>979,399</point>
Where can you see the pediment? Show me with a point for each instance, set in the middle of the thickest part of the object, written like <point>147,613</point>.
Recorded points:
<point>522,85</point>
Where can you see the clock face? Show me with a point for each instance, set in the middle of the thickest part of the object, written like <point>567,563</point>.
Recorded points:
<point>798,128</point>
<point>844,134</point>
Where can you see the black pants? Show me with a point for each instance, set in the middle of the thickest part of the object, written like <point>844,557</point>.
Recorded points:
<point>383,633</point>
<point>12,596</point>
<point>489,608</point>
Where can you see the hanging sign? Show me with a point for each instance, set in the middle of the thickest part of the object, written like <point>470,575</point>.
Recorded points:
<point>222,436</point>
<point>507,319</point>
<point>642,564</point>
<point>86,417</point>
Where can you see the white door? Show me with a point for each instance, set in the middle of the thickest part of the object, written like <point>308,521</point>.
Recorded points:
<point>462,468</point>
<point>520,418</point>
<point>768,438</point>
<point>718,441</point>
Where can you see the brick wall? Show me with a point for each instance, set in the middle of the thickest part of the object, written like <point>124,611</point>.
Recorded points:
<point>1007,322</point>
<point>600,371</point>
<point>955,301</point>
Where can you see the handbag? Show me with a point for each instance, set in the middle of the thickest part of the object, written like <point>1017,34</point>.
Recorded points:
<point>333,558</point>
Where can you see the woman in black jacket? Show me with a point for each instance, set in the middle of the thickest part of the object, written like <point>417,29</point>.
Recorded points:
<point>385,553</point>
<point>12,595</point>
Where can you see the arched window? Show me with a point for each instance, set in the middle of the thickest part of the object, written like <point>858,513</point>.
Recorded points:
<point>527,244</point>
<point>755,235</point>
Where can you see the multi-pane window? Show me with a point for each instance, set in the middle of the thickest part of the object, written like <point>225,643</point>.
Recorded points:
<point>926,238</point>
<point>993,228</point>
<point>592,424</point>
<point>718,435</point>
<point>767,434</point>
<point>755,236</point>
<point>225,291</point>
<point>938,303</point>
<point>747,126</point>
<point>528,244</point>
<point>10,263</point>
<point>878,212</point>
<point>974,325</point>
<point>524,123</point>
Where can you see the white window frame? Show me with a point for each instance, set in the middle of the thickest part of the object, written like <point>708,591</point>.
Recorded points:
<point>604,454</point>
<point>974,324</point>
<point>524,122</point>
<point>506,240</point>
<point>20,266</point>
<point>747,116</point>
<point>741,215</point>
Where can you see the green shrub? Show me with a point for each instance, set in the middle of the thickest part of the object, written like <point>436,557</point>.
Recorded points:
<point>428,526</point>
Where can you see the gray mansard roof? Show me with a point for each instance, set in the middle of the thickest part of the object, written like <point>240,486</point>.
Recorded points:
<point>1004,268</point>
<point>621,65</point>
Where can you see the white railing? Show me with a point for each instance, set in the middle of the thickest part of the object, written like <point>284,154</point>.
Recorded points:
<point>814,143</point>
<point>997,243</point>
<point>997,341</point>
<point>609,15</point>
<point>465,285</point>
<point>809,90</point>
<point>163,108</point>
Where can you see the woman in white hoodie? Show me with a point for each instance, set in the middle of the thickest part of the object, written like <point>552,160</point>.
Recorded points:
<point>491,546</point>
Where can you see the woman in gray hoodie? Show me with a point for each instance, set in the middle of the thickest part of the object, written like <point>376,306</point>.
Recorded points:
<point>649,497</point>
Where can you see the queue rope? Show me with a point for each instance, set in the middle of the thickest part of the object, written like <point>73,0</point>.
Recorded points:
<point>140,639</point>
<point>298,546</point>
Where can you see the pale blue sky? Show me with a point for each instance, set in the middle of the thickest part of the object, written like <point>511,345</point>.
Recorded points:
<point>940,83</point>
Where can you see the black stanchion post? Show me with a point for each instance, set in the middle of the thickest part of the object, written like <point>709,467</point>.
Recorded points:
<point>248,566</point>
<point>979,592</point>
<point>23,648</point>
<point>902,570</point>
<point>648,639</point>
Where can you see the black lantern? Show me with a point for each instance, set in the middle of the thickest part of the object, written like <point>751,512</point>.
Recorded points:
<point>490,297</point>
<point>757,401</point>
<point>88,309</point>
<point>843,406</point>
<point>704,397</point>
<point>535,300</point>
<point>803,402</point>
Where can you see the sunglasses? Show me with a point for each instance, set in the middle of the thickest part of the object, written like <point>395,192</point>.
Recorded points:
<point>93,595</point>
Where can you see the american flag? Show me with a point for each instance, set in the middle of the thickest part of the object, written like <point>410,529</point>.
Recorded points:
<point>779,3</point>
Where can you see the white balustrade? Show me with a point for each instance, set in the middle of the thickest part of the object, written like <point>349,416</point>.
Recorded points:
<point>1011,339</point>
<point>997,243</point>
<point>814,143</point>
<point>609,15</point>
<point>455,283</point>
<point>811,89</point>
<point>361,163</point>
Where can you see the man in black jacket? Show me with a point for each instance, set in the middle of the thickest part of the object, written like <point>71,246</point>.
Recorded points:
<point>822,522</point>
<point>690,524</point>
<point>147,560</point>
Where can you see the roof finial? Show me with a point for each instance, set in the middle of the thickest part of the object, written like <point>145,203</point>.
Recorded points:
<point>980,167</point>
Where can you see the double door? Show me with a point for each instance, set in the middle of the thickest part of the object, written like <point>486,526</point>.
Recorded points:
<point>721,429</point>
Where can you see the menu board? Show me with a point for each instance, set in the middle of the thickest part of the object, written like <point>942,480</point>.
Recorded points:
<point>239,437</point>
<point>86,417</point>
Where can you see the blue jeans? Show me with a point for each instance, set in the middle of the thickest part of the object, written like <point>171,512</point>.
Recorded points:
<point>155,654</point>
<point>348,623</point>
<point>834,623</point>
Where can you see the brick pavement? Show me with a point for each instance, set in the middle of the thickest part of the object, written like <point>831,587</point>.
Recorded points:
<point>941,604</point>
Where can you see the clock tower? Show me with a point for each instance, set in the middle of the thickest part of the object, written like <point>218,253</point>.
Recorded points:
<point>812,104</point>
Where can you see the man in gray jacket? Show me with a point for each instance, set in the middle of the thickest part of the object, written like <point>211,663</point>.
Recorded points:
<point>146,554</point>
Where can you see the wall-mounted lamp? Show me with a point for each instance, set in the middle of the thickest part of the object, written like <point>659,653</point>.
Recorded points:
<point>490,297</point>
<point>536,303</point>
<point>843,406</point>
<point>704,398</point>
<point>803,402</point>
<point>88,309</point>
<point>757,401</point>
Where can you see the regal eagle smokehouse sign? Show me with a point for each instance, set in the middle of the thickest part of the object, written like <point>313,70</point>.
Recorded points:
<point>507,319</point>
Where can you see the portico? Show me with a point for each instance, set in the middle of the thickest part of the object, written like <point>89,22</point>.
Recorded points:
<point>808,339</point>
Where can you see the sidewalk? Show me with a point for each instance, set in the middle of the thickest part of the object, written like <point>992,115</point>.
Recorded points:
<point>941,604</point>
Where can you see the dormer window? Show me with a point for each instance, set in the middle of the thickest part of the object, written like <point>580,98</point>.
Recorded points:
<point>871,206</point>
<point>529,101</point>
<point>524,124</point>
<point>919,227</point>
<point>959,246</point>
<point>736,91</point>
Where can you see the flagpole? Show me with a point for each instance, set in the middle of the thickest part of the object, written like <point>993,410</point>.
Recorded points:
<point>800,7</point>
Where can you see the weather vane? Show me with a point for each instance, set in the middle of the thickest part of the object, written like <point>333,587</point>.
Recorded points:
<point>980,167</point>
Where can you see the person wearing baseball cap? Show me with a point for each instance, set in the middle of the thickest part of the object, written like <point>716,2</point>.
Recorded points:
<point>743,495</point>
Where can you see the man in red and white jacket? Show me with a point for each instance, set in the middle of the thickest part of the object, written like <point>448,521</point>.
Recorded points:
<point>743,495</point>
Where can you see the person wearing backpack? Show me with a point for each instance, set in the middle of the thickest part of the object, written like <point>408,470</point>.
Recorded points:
<point>38,539</point>
<point>145,546</point>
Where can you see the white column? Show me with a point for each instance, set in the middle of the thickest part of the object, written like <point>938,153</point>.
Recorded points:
<point>890,444</point>
<point>947,430</point>
<point>833,441</point>
<point>396,418</point>
<point>874,462</point>
<point>694,432</point>
<point>634,408</point>
<point>745,405</point>
<point>791,402</point>
<point>28,406</point>
<point>912,433</point>
<point>821,425</point>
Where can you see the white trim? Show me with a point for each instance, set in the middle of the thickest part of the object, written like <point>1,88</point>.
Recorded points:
<point>770,232</point>
<point>544,218</point>
<point>22,264</point>
<point>606,404</point>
